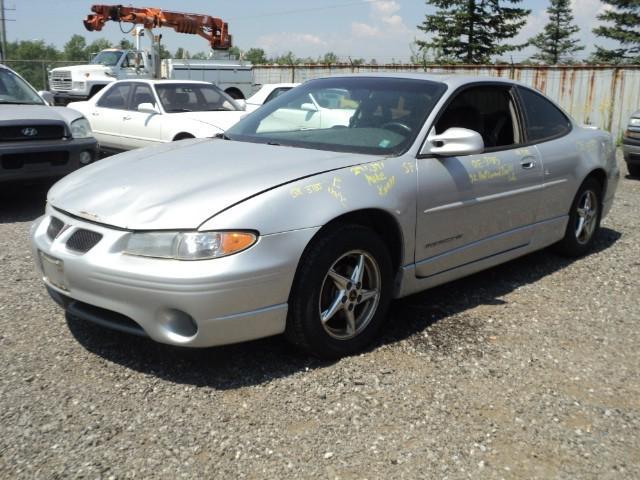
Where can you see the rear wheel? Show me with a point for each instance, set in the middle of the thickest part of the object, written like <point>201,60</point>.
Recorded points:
<point>584,220</point>
<point>341,292</point>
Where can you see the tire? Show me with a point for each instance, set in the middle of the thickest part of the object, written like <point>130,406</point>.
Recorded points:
<point>327,284</point>
<point>584,220</point>
<point>634,170</point>
<point>182,136</point>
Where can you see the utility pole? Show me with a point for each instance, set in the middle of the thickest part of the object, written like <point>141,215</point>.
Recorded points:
<point>3,33</point>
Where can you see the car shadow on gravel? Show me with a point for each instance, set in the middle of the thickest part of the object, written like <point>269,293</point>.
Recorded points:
<point>261,361</point>
<point>23,202</point>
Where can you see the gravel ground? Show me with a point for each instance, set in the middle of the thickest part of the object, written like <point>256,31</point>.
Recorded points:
<point>528,370</point>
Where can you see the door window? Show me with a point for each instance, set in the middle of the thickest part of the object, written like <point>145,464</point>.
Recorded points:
<point>141,94</point>
<point>488,110</point>
<point>116,97</point>
<point>276,93</point>
<point>544,120</point>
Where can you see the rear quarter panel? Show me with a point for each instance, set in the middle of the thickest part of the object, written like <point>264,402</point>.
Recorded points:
<point>567,161</point>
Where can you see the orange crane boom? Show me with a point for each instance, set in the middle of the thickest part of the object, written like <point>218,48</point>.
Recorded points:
<point>213,29</point>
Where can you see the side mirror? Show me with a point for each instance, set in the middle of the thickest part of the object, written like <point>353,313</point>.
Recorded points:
<point>454,142</point>
<point>242,103</point>
<point>308,107</point>
<point>47,97</point>
<point>147,108</point>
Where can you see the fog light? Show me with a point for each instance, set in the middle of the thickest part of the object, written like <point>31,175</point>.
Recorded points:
<point>178,323</point>
<point>85,157</point>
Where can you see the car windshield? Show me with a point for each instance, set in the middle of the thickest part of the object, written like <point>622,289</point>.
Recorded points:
<point>194,97</point>
<point>14,90</point>
<point>108,58</point>
<point>380,116</point>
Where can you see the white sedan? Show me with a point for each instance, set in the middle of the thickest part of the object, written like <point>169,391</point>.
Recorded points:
<point>130,114</point>
<point>266,93</point>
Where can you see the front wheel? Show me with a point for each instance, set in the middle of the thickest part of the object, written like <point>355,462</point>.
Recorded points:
<point>584,220</point>
<point>341,292</point>
<point>634,170</point>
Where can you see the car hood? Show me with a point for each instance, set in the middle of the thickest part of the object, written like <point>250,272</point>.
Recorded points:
<point>83,69</point>
<point>220,120</point>
<point>182,184</point>
<point>32,114</point>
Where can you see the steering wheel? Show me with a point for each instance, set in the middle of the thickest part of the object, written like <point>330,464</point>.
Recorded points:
<point>397,126</point>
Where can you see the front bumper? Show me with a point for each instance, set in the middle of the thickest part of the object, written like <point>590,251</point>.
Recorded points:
<point>631,151</point>
<point>231,299</point>
<point>30,160</point>
<point>63,99</point>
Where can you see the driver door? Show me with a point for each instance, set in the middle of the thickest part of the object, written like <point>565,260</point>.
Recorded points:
<point>477,206</point>
<point>141,129</point>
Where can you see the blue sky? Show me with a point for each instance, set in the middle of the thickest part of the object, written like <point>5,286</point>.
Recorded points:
<point>381,29</point>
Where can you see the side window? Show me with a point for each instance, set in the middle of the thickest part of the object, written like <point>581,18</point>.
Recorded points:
<point>488,110</point>
<point>544,119</point>
<point>276,93</point>
<point>116,97</point>
<point>141,94</point>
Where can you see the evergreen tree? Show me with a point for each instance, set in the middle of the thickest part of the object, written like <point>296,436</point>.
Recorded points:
<point>256,56</point>
<point>554,42</point>
<point>75,49</point>
<point>625,17</point>
<point>472,31</point>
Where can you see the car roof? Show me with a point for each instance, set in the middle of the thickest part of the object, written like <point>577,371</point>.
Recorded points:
<point>452,80</point>
<point>152,81</point>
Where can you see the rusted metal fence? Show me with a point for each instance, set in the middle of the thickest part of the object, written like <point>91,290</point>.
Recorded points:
<point>600,95</point>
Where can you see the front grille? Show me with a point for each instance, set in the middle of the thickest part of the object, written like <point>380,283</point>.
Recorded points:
<point>19,133</point>
<point>82,240</point>
<point>61,80</point>
<point>15,161</point>
<point>54,228</point>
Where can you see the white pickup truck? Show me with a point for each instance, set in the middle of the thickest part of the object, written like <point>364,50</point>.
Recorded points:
<point>81,82</point>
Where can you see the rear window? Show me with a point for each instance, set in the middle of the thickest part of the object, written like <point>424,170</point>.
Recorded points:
<point>544,121</point>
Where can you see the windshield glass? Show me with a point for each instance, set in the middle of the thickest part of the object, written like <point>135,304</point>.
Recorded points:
<point>16,91</point>
<point>194,97</point>
<point>108,58</point>
<point>380,116</point>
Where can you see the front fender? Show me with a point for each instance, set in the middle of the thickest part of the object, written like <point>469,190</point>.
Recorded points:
<point>388,185</point>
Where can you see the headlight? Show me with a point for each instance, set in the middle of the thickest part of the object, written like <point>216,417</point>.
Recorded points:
<point>189,245</point>
<point>80,128</point>
<point>634,122</point>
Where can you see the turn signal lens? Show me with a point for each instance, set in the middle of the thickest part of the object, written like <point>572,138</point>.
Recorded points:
<point>233,242</point>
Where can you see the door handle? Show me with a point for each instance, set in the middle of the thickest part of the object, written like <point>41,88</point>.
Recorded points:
<point>95,114</point>
<point>528,163</point>
<point>126,117</point>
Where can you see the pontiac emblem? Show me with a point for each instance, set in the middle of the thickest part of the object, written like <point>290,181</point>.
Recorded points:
<point>29,132</point>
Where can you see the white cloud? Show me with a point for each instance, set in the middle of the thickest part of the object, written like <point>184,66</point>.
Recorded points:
<point>277,43</point>
<point>385,8</point>
<point>364,30</point>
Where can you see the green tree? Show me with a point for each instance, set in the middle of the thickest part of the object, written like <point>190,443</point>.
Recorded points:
<point>472,31</point>
<point>235,52</point>
<point>200,56</point>
<point>97,46</point>
<point>34,72</point>
<point>126,44</point>
<point>75,49</point>
<point>180,53</point>
<point>257,56</point>
<point>287,59</point>
<point>623,20</point>
<point>555,42</point>
<point>329,58</point>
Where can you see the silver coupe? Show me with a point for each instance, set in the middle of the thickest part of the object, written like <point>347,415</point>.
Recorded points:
<point>313,212</point>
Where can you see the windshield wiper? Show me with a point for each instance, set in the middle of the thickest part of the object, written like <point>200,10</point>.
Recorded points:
<point>223,136</point>
<point>177,110</point>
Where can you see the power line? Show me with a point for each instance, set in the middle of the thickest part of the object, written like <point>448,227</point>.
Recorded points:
<point>304,10</point>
